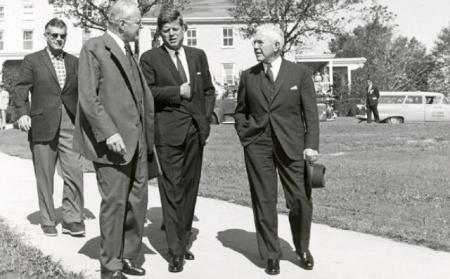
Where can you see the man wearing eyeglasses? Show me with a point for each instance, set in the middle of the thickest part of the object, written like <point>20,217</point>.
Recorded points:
<point>114,129</point>
<point>50,75</point>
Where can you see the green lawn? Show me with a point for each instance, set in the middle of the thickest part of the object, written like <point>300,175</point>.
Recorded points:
<point>387,180</point>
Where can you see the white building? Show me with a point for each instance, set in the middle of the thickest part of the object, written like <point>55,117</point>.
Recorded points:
<point>210,28</point>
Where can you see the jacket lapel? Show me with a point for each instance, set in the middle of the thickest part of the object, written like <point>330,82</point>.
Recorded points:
<point>262,80</point>
<point>169,64</point>
<point>191,64</point>
<point>115,50</point>
<point>284,71</point>
<point>49,65</point>
<point>68,64</point>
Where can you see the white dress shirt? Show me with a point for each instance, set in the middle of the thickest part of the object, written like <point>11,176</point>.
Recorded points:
<point>182,56</point>
<point>276,64</point>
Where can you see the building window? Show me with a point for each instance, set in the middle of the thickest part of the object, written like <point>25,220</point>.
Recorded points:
<point>228,73</point>
<point>85,35</point>
<point>1,39</point>
<point>2,12</point>
<point>27,39</point>
<point>28,9</point>
<point>228,37</point>
<point>191,36</point>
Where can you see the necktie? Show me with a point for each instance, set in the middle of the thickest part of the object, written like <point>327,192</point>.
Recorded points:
<point>269,73</point>
<point>180,68</point>
<point>131,60</point>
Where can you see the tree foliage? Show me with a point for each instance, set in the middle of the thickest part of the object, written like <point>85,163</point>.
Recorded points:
<point>393,63</point>
<point>440,77</point>
<point>298,19</point>
<point>92,14</point>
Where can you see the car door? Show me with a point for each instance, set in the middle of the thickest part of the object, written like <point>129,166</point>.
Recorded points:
<point>437,109</point>
<point>413,108</point>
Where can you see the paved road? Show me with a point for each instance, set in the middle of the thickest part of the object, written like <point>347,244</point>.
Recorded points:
<point>225,245</point>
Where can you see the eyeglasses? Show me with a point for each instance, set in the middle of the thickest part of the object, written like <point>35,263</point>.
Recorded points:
<point>56,35</point>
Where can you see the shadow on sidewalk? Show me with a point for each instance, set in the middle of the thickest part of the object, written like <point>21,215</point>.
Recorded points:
<point>156,236</point>
<point>244,242</point>
<point>92,249</point>
<point>35,217</point>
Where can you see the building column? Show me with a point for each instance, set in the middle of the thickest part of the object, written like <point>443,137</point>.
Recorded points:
<point>349,78</point>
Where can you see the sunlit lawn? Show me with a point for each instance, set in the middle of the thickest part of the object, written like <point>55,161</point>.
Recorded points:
<point>387,180</point>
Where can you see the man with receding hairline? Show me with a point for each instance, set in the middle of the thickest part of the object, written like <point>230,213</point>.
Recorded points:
<point>50,75</point>
<point>114,129</point>
<point>277,123</point>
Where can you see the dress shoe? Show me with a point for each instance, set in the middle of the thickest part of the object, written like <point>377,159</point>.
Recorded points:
<point>273,267</point>
<point>74,228</point>
<point>130,268</point>
<point>49,230</point>
<point>306,260</point>
<point>176,264</point>
<point>106,274</point>
<point>189,256</point>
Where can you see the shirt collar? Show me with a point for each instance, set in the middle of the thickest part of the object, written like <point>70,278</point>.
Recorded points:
<point>57,57</point>
<point>172,52</point>
<point>118,40</point>
<point>276,64</point>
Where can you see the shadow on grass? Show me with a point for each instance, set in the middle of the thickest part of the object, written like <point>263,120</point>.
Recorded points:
<point>156,236</point>
<point>35,217</point>
<point>244,242</point>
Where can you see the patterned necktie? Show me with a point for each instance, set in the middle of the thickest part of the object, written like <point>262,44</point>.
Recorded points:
<point>269,73</point>
<point>180,68</point>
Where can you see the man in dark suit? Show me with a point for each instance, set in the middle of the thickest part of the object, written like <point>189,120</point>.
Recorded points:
<point>50,75</point>
<point>114,129</point>
<point>372,97</point>
<point>184,99</point>
<point>277,123</point>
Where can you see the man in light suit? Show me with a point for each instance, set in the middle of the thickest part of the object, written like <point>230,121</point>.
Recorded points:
<point>277,123</point>
<point>50,75</point>
<point>114,129</point>
<point>184,100</point>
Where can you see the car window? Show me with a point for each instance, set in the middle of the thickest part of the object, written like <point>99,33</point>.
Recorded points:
<point>413,100</point>
<point>391,99</point>
<point>433,100</point>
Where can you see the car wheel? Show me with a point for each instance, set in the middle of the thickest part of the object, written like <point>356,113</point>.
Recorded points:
<point>214,120</point>
<point>395,120</point>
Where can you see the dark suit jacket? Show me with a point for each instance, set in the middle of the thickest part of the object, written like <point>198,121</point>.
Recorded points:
<point>372,99</point>
<point>38,76</point>
<point>292,112</point>
<point>109,104</point>
<point>174,114</point>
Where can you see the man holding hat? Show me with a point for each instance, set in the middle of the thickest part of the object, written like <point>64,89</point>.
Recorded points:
<point>277,123</point>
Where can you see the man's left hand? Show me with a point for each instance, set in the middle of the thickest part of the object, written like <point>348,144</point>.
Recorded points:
<point>310,155</point>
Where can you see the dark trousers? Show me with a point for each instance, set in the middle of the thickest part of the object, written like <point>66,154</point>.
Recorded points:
<point>45,155</point>
<point>178,186</point>
<point>372,108</point>
<point>124,193</point>
<point>263,158</point>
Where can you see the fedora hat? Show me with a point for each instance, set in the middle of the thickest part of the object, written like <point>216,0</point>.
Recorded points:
<point>315,175</point>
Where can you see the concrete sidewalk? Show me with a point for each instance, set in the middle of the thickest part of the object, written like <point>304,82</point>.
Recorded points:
<point>225,245</point>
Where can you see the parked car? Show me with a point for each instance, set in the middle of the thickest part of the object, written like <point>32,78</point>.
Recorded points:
<point>405,107</point>
<point>226,101</point>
